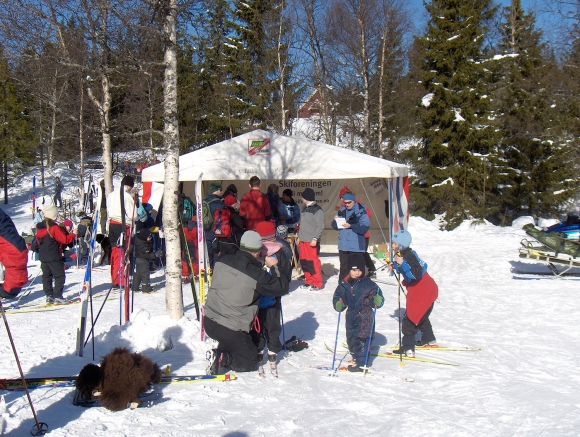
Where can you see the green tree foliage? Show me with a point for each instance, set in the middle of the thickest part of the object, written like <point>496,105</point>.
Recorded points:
<point>456,134</point>
<point>16,140</point>
<point>536,162</point>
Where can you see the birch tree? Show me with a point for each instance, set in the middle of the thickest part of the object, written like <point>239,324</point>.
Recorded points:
<point>171,222</point>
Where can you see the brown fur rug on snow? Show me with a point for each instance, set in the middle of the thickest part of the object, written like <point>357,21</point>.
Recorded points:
<point>120,379</point>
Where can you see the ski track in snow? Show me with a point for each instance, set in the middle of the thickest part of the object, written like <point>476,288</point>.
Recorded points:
<point>524,382</point>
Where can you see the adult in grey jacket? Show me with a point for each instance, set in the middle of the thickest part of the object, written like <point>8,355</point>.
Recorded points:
<point>232,304</point>
<point>311,227</point>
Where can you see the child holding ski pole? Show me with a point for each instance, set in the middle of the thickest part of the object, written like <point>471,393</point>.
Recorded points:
<point>361,296</point>
<point>422,291</point>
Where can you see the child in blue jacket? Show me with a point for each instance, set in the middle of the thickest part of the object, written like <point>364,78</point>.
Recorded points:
<point>360,296</point>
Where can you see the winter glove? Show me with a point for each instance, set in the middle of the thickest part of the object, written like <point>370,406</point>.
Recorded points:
<point>339,306</point>
<point>378,300</point>
<point>159,253</point>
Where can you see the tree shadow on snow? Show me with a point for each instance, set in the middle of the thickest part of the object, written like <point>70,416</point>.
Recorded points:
<point>304,327</point>
<point>58,414</point>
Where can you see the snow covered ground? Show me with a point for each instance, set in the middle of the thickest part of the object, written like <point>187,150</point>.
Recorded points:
<point>524,382</point>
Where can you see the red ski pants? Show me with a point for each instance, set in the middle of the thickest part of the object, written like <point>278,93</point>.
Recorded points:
<point>310,263</point>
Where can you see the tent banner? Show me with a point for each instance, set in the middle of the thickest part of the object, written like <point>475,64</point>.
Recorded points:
<point>399,191</point>
<point>327,193</point>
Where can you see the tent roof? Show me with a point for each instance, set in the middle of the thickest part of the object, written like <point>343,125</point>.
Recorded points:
<point>281,157</point>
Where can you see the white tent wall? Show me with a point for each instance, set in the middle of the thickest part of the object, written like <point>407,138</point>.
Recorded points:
<point>373,192</point>
<point>295,163</point>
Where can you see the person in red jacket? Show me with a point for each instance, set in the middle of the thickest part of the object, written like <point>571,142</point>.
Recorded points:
<point>13,256</point>
<point>422,291</point>
<point>254,206</point>
<point>50,237</point>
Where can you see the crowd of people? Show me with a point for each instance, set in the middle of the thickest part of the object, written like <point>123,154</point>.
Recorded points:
<point>252,262</point>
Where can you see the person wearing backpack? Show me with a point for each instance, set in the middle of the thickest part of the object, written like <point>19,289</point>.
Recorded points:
<point>228,227</point>
<point>212,203</point>
<point>254,205</point>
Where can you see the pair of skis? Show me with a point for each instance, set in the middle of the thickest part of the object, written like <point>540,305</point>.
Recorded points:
<point>69,381</point>
<point>205,272</point>
<point>86,291</point>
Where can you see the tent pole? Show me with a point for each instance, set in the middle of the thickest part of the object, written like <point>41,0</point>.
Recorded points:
<point>373,209</point>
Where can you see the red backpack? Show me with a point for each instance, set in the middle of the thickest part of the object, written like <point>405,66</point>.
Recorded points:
<point>221,228</point>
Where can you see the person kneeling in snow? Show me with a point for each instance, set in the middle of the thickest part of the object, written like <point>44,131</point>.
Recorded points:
<point>120,379</point>
<point>232,304</point>
<point>14,258</point>
<point>422,291</point>
<point>360,295</point>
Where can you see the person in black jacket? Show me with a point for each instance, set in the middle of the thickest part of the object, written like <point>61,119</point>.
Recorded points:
<point>143,254</point>
<point>50,238</point>
<point>232,304</point>
<point>270,307</point>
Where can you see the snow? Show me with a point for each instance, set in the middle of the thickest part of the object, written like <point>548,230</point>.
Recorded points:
<point>524,381</point>
<point>427,99</point>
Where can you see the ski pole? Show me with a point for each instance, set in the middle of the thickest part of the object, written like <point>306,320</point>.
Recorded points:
<point>41,427</point>
<point>335,342</point>
<point>283,334</point>
<point>27,290</point>
<point>370,338</point>
<point>400,321</point>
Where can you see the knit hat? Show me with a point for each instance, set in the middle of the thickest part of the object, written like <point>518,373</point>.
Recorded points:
<point>267,230</point>
<point>128,181</point>
<point>348,196</point>
<point>50,212</point>
<point>251,241</point>
<point>230,200</point>
<point>148,207</point>
<point>282,231</point>
<point>403,239</point>
<point>343,190</point>
<point>356,261</point>
<point>214,186</point>
<point>287,192</point>
<point>143,234</point>
<point>68,223</point>
<point>308,194</point>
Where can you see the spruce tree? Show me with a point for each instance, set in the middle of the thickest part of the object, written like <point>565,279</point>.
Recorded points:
<point>16,140</point>
<point>457,140</point>
<point>538,175</point>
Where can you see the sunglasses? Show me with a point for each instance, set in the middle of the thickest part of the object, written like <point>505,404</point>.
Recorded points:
<point>348,202</point>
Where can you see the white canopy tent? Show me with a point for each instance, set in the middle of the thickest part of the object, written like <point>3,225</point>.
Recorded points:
<point>295,163</point>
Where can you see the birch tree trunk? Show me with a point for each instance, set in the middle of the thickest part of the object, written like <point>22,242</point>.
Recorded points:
<point>81,144</point>
<point>171,222</point>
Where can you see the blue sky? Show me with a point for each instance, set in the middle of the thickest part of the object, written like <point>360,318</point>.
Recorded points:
<point>548,22</point>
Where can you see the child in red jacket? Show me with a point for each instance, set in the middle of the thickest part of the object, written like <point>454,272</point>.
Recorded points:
<point>422,291</point>
<point>50,237</point>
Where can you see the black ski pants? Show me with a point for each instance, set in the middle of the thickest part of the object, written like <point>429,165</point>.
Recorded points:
<point>368,260</point>
<point>238,343</point>
<point>142,275</point>
<point>52,270</point>
<point>270,329</point>
<point>409,329</point>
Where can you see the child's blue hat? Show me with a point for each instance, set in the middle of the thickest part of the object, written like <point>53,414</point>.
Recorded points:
<point>403,239</point>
